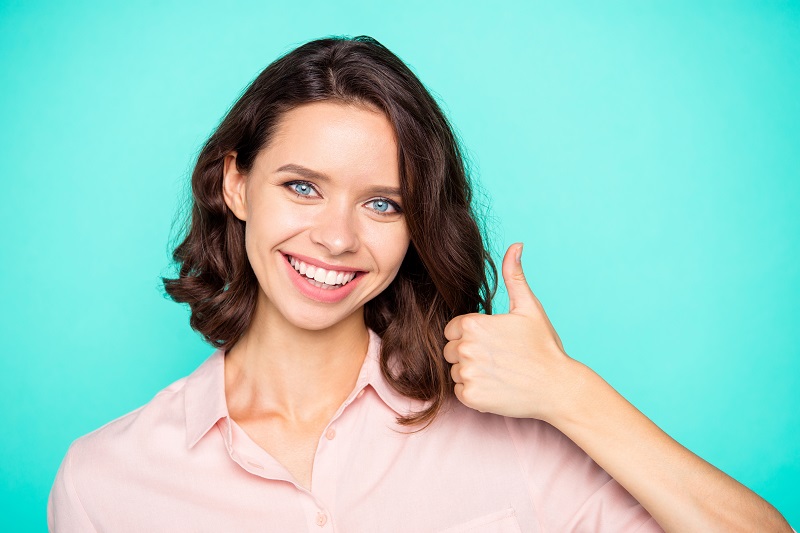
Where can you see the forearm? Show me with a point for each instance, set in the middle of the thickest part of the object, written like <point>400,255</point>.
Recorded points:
<point>679,489</point>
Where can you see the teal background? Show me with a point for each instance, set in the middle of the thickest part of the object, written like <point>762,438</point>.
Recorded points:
<point>648,154</point>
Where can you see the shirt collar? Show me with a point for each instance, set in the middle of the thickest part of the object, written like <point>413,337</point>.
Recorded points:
<point>204,397</point>
<point>204,392</point>
<point>371,375</point>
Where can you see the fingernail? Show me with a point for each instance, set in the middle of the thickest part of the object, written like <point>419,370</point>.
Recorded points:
<point>518,257</point>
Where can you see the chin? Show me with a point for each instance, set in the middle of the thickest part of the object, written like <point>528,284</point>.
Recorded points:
<point>317,321</point>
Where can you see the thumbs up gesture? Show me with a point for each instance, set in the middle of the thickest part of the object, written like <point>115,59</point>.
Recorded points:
<point>510,364</point>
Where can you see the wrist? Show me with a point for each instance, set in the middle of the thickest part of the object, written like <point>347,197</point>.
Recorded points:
<point>575,396</point>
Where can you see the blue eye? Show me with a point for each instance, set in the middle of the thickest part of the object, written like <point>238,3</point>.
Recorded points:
<point>384,206</point>
<point>380,205</point>
<point>302,188</point>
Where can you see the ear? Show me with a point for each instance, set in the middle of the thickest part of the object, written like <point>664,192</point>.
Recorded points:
<point>234,187</point>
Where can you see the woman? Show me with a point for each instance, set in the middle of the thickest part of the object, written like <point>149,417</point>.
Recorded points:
<point>361,382</point>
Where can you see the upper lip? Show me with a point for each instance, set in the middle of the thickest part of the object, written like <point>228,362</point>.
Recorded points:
<point>317,263</point>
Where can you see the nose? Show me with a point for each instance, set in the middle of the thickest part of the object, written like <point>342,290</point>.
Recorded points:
<point>336,228</point>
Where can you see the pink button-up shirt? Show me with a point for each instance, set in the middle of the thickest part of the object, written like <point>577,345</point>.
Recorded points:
<point>180,463</point>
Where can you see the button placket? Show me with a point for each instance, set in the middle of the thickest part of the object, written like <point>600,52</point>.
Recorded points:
<point>326,460</point>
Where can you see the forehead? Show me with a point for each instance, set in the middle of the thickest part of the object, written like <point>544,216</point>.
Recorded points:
<point>337,139</point>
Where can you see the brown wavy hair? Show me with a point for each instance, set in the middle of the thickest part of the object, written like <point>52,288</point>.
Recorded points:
<point>447,270</point>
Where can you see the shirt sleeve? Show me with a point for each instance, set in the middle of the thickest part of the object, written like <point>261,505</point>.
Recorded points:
<point>569,491</point>
<point>65,512</point>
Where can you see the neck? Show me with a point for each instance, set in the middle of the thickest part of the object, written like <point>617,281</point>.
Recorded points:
<point>300,375</point>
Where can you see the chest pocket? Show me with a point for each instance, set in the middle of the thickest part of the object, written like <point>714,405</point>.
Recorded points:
<point>504,521</point>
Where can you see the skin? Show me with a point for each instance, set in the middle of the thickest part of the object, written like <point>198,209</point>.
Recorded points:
<point>300,358</point>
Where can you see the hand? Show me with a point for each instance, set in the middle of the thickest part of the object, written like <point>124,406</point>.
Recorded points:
<point>510,364</point>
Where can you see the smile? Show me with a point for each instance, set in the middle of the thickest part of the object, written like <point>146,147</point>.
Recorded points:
<point>324,285</point>
<point>321,277</point>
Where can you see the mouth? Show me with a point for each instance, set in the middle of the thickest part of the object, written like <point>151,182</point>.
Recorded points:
<point>319,277</point>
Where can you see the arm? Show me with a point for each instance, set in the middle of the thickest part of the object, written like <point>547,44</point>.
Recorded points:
<point>515,365</point>
<point>65,512</point>
<point>679,489</point>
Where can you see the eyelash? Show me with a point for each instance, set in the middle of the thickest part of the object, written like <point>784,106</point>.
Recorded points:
<point>290,184</point>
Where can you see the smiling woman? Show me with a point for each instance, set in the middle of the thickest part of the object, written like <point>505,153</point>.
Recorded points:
<point>333,224</point>
<point>361,381</point>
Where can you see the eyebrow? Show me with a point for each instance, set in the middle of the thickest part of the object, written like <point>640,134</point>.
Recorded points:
<point>319,176</point>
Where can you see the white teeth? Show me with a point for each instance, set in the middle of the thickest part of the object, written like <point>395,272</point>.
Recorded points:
<point>330,279</point>
<point>318,276</point>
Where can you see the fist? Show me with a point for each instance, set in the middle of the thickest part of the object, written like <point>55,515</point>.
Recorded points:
<point>509,364</point>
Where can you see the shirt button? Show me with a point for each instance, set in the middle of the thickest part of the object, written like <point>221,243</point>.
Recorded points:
<point>330,434</point>
<point>360,393</point>
<point>321,519</point>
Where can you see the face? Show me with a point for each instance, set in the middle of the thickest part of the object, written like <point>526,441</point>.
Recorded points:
<point>324,227</point>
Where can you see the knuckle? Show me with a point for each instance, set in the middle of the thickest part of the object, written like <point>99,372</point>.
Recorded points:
<point>467,373</point>
<point>470,350</point>
<point>467,350</point>
<point>470,323</point>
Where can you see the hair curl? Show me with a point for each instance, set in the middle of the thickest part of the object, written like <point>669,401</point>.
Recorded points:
<point>447,270</point>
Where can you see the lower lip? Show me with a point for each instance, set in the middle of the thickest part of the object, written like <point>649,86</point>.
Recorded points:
<point>319,294</point>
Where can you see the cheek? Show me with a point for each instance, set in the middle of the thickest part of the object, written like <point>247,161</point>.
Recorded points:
<point>389,246</point>
<point>268,227</point>
<point>274,221</point>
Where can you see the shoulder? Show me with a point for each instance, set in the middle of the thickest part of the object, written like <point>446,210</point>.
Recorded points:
<point>146,438</point>
<point>100,463</point>
<point>161,425</point>
<point>163,414</point>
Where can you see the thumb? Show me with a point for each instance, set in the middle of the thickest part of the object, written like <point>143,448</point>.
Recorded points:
<point>520,295</point>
